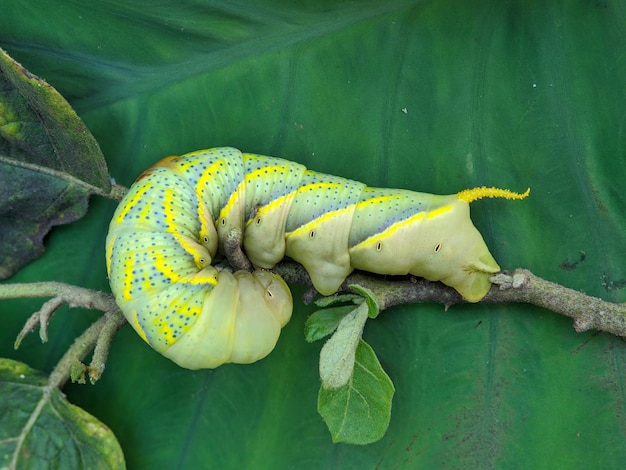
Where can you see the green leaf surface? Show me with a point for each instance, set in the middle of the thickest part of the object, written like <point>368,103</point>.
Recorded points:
<point>49,164</point>
<point>323,322</point>
<point>359,411</point>
<point>432,96</point>
<point>338,353</point>
<point>40,429</point>
<point>373,305</point>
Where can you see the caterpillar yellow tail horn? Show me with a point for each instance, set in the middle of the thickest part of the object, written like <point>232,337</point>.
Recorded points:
<point>471,195</point>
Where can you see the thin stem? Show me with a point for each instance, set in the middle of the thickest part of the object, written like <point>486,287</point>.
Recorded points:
<point>117,192</point>
<point>81,347</point>
<point>73,295</point>
<point>97,337</point>
<point>114,321</point>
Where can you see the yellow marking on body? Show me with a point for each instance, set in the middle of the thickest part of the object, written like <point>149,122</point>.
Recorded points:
<point>317,222</point>
<point>128,276</point>
<point>209,173</point>
<point>167,271</point>
<point>145,287</point>
<point>271,206</point>
<point>130,203</point>
<point>173,276</point>
<point>204,216</point>
<point>197,278</point>
<point>375,200</point>
<point>318,185</point>
<point>261,172</point>
<point>232,200</point>
<point>323,218</point>
<point>374,239</point>
<point>190,248</point>
<point>202,279</point>
<point>441,210</point>
<point>471,195</point>
<point>168,210</point>
<point>109,254</point>
<point>144,213</point>
<point>165,331</point>
<point>138,328</point>
<point>389,231</point>
<point>253,156</point>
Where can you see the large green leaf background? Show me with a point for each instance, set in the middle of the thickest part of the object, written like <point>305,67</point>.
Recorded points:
<point>433,96</point>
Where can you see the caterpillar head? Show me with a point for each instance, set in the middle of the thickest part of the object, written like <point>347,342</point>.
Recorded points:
<point>458,255</point>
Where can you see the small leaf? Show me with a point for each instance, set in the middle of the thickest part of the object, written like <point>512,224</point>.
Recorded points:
<point>359,412</point>
<point>323,322</point>
<point>40,429</point>
<point>370,299</point>
<point>49,164</point>
<point>337,355</point>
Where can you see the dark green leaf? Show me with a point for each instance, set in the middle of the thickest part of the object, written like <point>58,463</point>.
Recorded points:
<point>40,429</point>
<point>359,412</point>
<point>49,164</point>
<point>323,322</point>
<point>373,308</point>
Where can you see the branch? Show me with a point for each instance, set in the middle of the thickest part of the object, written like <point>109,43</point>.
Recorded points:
<point>588,312</point>
<point>519,287</point>
<point>117,192</point>
<point>97,337</point>
<point>71,362</point>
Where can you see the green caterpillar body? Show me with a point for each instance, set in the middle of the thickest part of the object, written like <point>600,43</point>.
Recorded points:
<point>169,228</point>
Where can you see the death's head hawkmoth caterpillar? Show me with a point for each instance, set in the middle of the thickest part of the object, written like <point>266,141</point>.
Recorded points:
<point>167,230</point>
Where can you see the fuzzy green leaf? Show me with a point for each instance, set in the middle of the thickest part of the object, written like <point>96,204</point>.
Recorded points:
<point>337,355</point>
<point>323,322</point>
<point>359,412</point>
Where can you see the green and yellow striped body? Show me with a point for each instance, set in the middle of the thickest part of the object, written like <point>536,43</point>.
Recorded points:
<point>170,226</point>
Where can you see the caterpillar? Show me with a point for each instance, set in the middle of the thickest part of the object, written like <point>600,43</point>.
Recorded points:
<point>168,229</point>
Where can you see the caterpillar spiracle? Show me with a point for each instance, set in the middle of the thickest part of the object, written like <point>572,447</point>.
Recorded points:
<point>170,226</point>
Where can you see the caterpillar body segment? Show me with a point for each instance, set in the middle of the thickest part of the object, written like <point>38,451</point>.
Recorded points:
<point>167,231</point>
